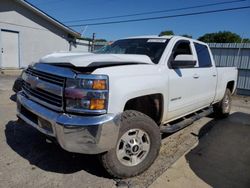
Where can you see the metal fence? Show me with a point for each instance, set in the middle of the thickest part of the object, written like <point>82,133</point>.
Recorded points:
<point>238,55</point>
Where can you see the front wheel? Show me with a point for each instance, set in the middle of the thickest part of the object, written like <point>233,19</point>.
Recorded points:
<point>137,146</point>
<point>223,108</point>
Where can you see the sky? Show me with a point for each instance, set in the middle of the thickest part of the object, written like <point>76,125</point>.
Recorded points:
<point>237,21</point>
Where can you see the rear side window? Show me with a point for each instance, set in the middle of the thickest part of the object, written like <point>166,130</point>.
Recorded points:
<point>203,55</point>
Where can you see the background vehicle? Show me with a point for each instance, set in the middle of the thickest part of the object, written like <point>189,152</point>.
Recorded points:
<point>118,102</point>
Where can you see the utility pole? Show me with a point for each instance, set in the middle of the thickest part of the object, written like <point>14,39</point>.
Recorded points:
<point>93,42</point>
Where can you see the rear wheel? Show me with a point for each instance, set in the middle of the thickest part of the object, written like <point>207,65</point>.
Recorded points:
<point>137,146</point>
<point>223,108</point>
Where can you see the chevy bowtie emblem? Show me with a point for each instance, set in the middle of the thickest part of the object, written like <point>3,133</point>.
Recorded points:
<point>33,82</point>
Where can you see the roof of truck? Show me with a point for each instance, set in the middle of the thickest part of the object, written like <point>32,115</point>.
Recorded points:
<point>152,36</point>
<point>165,37</point>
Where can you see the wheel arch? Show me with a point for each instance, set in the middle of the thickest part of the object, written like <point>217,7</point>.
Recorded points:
<point>151,105</point>
<point>231,86</point>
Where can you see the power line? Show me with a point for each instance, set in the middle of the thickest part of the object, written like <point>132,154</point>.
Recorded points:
<point>162,17</point>
<point>155,12</point>
<point>50,2</point>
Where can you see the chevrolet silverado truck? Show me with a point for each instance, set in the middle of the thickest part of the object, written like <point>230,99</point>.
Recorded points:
<point>117,101</point>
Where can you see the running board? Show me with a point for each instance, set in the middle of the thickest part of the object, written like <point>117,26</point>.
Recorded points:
<point>185,121</point>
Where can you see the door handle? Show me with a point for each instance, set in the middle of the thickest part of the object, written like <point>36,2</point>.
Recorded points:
<point>214,75</point>
<point>2,50</point>
<point>196,76</point>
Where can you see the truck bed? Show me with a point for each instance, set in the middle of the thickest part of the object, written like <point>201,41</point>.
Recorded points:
<point>224,74</point>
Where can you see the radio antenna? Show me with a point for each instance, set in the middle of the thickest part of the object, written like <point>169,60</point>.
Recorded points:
<point>84,30</point>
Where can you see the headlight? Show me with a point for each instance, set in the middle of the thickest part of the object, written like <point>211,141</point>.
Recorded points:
<point>87,94</point>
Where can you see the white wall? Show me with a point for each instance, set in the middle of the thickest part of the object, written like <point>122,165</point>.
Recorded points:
<point>37,37</point>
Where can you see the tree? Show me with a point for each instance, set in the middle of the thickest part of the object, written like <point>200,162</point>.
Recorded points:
<point>221,37</point>
<point>170,32</point>
<point>85,38</point>
<point>246,40</point>
<point>167,32</point>
<point>100,40</point>
<point>188,36</point>
<point>90,39</point>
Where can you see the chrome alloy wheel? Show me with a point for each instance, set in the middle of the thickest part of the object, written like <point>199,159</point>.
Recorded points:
<point>133,147</point>
<point>226,103</point>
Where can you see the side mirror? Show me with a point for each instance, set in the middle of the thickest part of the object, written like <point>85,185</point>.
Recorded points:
<point>183,61</point>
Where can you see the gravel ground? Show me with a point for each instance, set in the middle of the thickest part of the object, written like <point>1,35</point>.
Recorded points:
<point>27,160</point>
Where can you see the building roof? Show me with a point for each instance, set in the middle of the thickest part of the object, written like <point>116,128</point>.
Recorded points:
<point>48,18</point>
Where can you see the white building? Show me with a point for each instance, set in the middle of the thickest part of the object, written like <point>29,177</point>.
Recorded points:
<point>27,33</point>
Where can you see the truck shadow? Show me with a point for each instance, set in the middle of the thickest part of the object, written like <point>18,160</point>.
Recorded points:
<point>222,157</point>
<point>32,145</point>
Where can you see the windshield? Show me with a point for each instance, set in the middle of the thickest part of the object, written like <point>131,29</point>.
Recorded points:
<point>153,48</point>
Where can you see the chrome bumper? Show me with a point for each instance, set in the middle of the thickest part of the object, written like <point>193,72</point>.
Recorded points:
<point>80,134</point>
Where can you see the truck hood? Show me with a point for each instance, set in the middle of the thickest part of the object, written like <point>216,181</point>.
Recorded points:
<point>94,60</point>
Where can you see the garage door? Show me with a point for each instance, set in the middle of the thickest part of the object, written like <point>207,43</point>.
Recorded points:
<point>9,49</point>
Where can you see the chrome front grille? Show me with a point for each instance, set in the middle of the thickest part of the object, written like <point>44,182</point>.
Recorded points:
<point>44,88</point>
<point>46,77</point>
<point>43,95</point>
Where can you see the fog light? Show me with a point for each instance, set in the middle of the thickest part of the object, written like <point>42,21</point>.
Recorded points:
<point>44,124</point>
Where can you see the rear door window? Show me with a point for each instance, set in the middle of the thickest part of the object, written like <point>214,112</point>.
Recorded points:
<point>203,55</point>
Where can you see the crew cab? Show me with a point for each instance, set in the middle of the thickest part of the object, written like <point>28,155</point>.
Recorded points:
<point>117,101</point>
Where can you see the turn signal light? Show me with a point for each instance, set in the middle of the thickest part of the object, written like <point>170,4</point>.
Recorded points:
<point>97,104</point>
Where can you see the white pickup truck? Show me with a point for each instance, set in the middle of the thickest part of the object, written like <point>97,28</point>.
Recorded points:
<point>117,101</point>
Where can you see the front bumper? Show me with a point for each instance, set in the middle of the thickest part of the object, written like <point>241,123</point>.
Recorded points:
<point>17,85</point>
<point>74,133</point>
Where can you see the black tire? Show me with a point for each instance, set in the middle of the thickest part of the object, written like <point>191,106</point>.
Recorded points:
<point>133,120</point>
<point>223,108</point>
